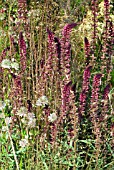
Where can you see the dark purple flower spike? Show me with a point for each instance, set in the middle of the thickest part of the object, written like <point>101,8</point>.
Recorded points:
<point>22,46</point>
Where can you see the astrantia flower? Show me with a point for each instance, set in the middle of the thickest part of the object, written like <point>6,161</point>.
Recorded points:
<point>8,120</point>
<point>52,117</point>
<point>2,105</point>
<point>22,111</point>
<point>1,115</point>
<point>4,128</point>
<point>42,101</point>
<point>31,120</point>
<point>24,120</point>
<point>15,65</point>
<point>23,142</point>
<point>6,63</point>
<point>31,115</point>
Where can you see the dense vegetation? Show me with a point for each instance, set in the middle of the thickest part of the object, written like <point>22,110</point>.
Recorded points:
<point>56,85</point>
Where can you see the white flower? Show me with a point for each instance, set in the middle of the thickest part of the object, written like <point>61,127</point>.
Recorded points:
<point>22,111</point>
<point>1,115</point>
<point>52,117</point>
<point>42,101</point>
<point>8,103</point>
<point>2,105</point>
<point>24,121</point>
<point>8,120</point>
<point>31,115</point>
<point>4,128</point>
<point>23,142</point>
<point>15,65</point>
<point>31,120</point>
<point>6,63</point>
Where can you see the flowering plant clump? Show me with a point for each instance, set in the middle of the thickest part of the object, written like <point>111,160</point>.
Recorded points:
<point>56,105</point>
<point>42,101</point>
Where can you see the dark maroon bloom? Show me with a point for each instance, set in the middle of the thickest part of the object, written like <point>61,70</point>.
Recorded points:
<point>67,29</point>
<point>85,87</point>
<point>106,3</point>
<point>82,100</point>
<point>106,92</point>
<point>86,42</point>
<point>65,96</point>
<point>22,46</point>
<point>50,34</point>
<point>86,77</point>
<point>17,84</point>
<point>50,43</point>
<point>87,50</point>
<point>58,49</point>
<point>87,45</point>
<point>82,96</point>
<point>48,65</point>
<point>73,87</point>
<point>106,14</point>
<point>29,106</point>
<point>65,51</point>
<point>95,96</point>
<point>95,88</point>
<point>105,103</point>
<point>96,80</point>
<point>51,49</point>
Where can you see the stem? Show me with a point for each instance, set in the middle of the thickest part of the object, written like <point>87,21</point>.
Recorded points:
<point>14,154</point>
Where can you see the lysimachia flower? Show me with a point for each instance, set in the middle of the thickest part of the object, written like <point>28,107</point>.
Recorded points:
<point>23,142</point>
<point>52,117</point>
<point>22,111</point>
<point>42,101</point>
<point>6,63</point>
<point>15,65</point>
